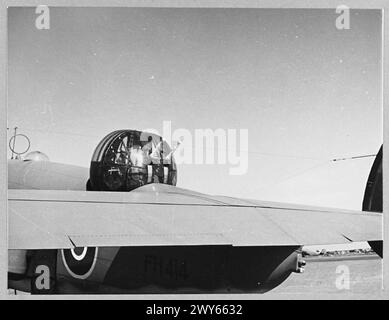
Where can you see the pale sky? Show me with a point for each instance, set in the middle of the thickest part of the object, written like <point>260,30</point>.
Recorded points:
<point>305,91</point>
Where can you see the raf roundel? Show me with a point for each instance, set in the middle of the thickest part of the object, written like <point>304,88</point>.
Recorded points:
<point>80,262</point>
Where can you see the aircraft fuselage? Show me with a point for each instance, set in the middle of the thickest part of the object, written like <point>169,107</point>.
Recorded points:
<point>145,269</point>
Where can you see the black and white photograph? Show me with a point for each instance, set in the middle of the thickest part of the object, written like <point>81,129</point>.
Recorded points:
<point>203,152</point>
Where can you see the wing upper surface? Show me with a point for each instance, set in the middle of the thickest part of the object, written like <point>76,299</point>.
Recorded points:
<point>164,215</point>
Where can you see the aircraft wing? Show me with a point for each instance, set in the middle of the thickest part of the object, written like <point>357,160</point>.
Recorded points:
<point>160,214</point>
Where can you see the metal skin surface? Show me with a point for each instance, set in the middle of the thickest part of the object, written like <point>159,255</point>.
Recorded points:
<point>373,198</point>
<point>186,269</point>
<point>147,269</point>
<point>233,255</point>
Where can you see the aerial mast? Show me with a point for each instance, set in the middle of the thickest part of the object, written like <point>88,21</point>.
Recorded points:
<point>13,142</point>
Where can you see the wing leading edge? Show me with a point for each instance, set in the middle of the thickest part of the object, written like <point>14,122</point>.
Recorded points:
<point>165,215</point>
